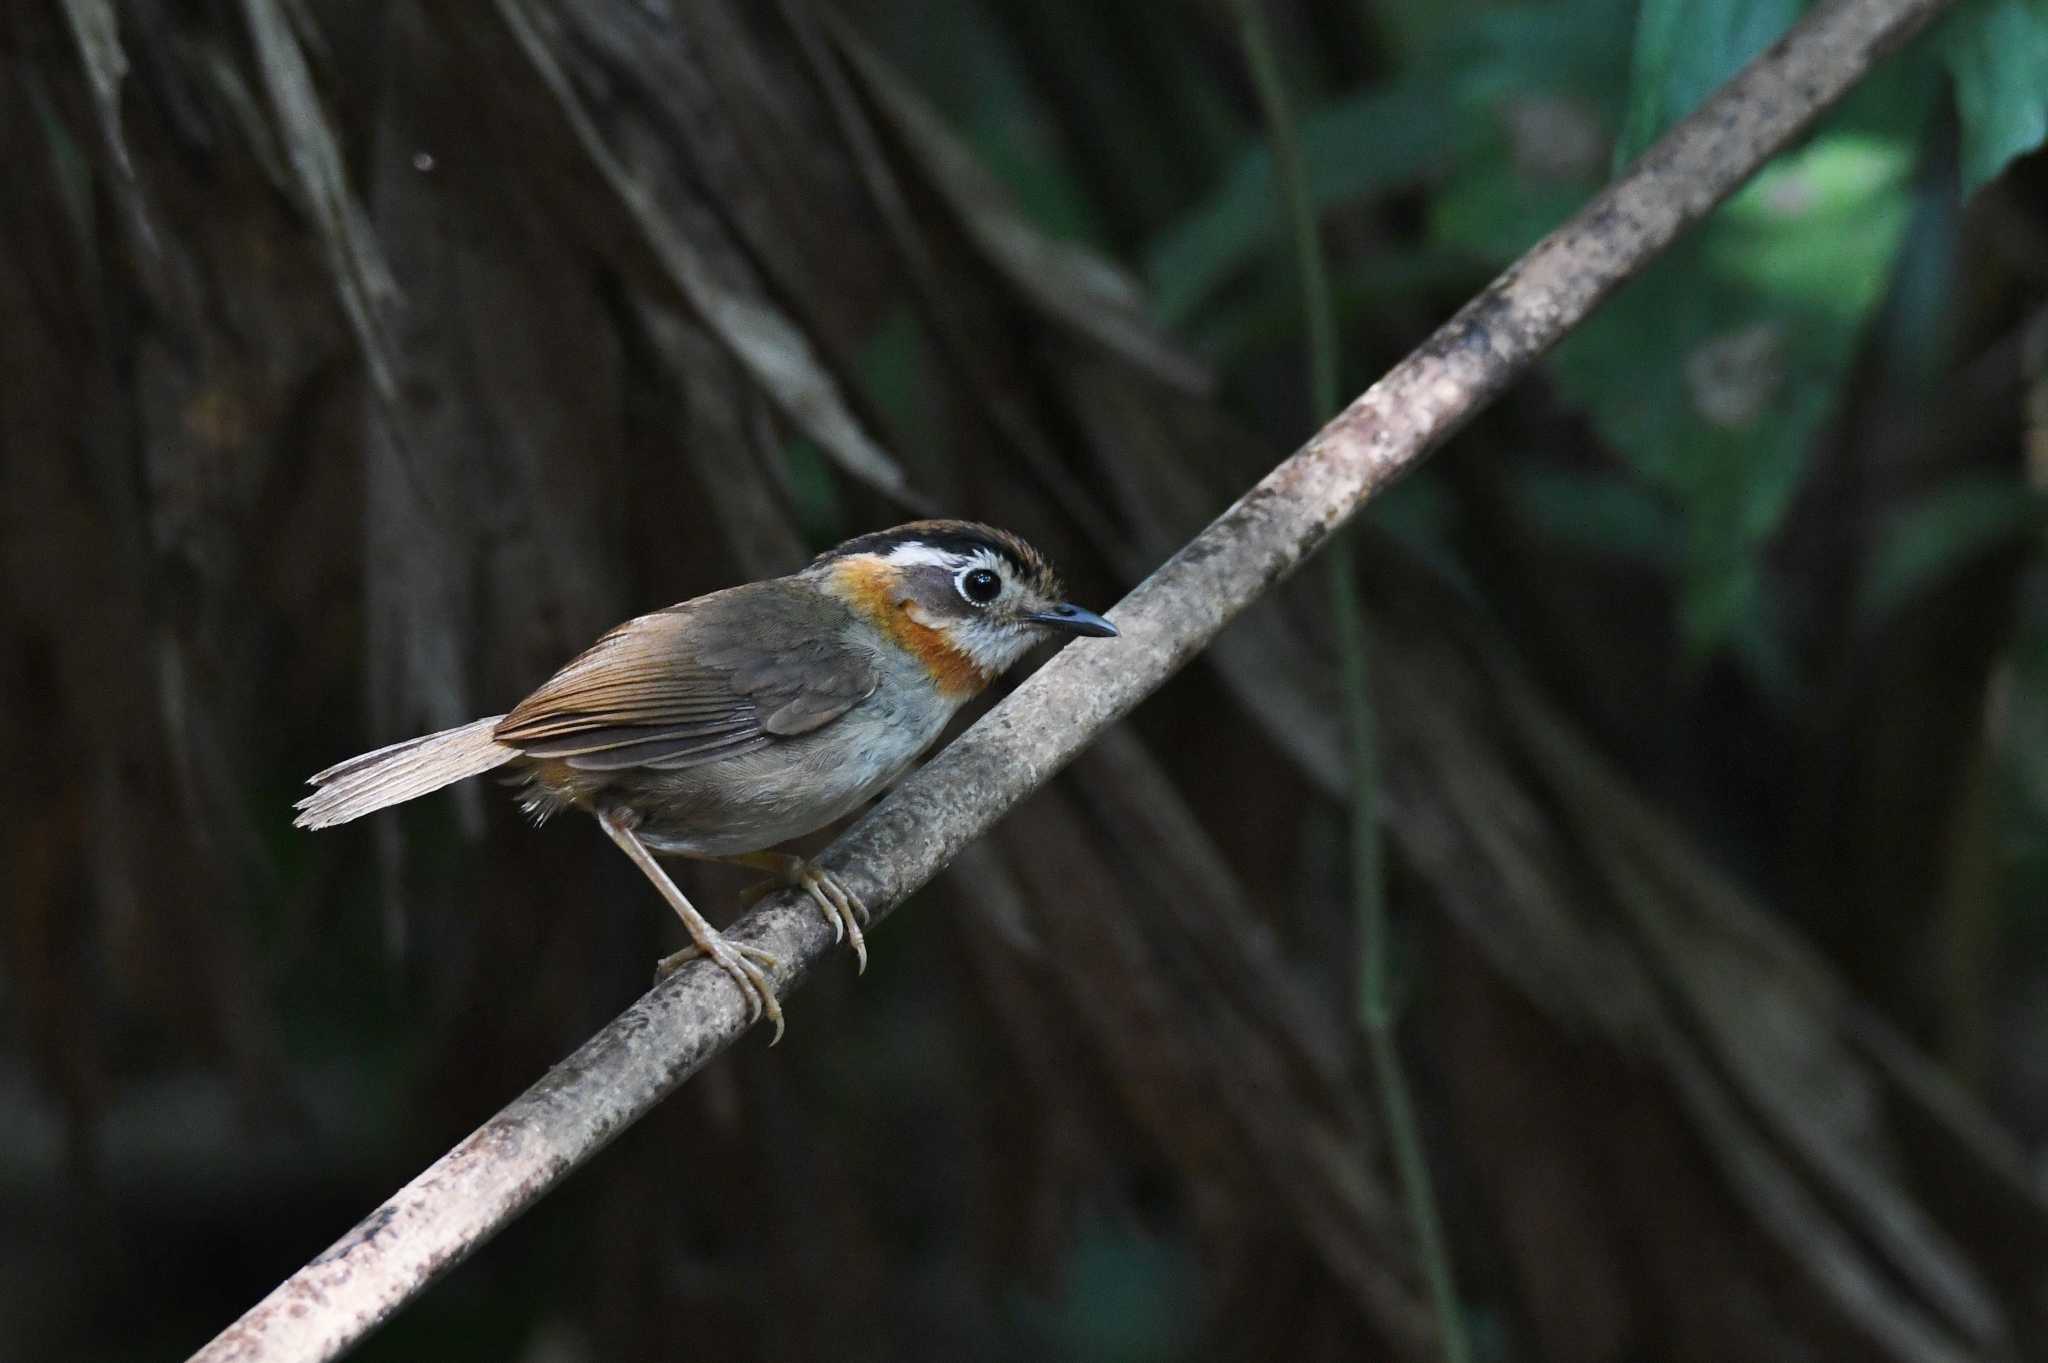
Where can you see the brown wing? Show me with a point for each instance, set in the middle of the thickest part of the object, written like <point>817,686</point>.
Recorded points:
<point>723,674</point>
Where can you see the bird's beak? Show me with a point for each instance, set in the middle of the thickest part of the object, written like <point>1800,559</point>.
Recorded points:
<point>1070,618</point>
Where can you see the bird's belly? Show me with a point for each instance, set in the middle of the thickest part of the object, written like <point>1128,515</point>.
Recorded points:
<point>758,799</point>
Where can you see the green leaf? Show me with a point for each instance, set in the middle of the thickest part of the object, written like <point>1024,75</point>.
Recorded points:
<point>1997,51</point>
<point>1496,216</point>
<point>1357,147</point>
<point>1250,322</point>
<point>1542,88</point>
<point>1576,47</point>
<point>1683,49</point>
<point>1943,534</point>
<point>1711,372</point>
<point>1599,513</point>
<point>1552,72</point>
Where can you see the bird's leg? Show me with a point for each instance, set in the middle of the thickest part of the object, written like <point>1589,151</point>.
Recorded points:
<point>735,960</point>
<point>842,907</point>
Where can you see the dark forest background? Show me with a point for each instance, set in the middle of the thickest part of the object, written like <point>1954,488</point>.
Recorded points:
<point>359,362</point>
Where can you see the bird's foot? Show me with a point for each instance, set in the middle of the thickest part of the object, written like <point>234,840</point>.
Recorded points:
<point>842,907</point>
<point>743,963</point>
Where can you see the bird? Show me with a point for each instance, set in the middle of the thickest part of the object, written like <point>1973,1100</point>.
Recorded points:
<point>724,725</point>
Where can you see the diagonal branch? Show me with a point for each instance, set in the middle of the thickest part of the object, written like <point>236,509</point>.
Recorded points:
<point>633,1063</point>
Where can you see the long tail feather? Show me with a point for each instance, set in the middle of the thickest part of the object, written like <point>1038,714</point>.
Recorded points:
<point>400,772</point>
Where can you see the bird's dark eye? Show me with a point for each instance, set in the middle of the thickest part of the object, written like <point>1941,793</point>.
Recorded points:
<point>981,586</point>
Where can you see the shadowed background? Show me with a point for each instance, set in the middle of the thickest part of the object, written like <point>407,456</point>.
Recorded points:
<point>360,363</point>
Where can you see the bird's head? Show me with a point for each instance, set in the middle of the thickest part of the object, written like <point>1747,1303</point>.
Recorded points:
<point>967,599</point>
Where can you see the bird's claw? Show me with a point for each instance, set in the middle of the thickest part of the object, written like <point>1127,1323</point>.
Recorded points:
<point>744,964</point>
<point>841,907</point>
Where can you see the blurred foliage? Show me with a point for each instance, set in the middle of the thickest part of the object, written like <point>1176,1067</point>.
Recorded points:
<point>1753,324</point>
<point>363,360</point>
<point>1944,533</point>
<point>1711,374</point>
<point>1683,49</point>
<point>1997,52</point>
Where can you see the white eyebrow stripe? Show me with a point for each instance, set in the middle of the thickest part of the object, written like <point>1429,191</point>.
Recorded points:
<point>915,553</point>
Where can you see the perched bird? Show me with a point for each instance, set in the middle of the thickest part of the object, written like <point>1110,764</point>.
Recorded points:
<point>724,725</point>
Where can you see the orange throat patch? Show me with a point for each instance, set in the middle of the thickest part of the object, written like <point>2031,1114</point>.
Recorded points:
<point>867,584</point>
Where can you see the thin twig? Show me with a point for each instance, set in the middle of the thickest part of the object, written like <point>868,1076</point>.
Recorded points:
<point>1368,872</point>
<point>1291,177</point>
<point>469,1194</point>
